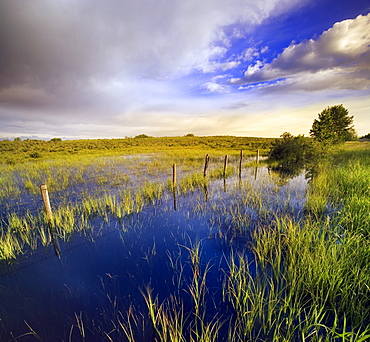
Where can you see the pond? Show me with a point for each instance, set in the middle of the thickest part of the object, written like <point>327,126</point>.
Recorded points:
<point>123,277</point>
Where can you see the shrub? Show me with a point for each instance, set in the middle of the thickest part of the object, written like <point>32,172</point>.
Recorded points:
<point>293,153</point>
<point>35,155</point>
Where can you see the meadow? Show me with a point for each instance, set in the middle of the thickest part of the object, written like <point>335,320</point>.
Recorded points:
<point>241,254</point>
<point>18,151</point>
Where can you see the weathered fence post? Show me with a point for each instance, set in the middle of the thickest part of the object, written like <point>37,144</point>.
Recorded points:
<point>174,186</point>
<point>46,200</point>
<point>225,170</point>
<point>174,177</point>
<point>240,164</point>
<point>257,161</point>
<point>206,162</point>
<point>225,165</point>
<point>49,216</point>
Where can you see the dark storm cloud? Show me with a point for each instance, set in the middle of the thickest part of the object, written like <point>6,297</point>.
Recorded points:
<point>64,46</point>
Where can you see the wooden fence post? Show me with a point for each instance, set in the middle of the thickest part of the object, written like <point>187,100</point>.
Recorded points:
<point>174,177</point>
<point>240,164</point>
<point>49,216</point>
<point>225,165</point>
<point>174,185</point>
<point>206,162</point>
<point>258,156</point>
<point>45,198</point>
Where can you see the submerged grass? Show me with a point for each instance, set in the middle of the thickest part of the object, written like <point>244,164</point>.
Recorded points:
<point>21,231</point>
<point>109,163</point>
<point>307,278</point>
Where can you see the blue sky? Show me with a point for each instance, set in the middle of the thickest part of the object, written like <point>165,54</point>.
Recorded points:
<point>116,68</point>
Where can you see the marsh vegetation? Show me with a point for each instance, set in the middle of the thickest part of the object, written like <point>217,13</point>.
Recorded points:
<point>264,256</point>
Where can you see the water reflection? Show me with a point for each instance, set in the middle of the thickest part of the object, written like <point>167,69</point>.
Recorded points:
<point>285,171</point>
<point>94,281</point>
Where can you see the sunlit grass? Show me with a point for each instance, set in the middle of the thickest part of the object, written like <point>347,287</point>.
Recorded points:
<point>306,278</point>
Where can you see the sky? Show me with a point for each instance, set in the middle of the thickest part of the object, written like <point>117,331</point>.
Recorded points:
<point>83,69</point>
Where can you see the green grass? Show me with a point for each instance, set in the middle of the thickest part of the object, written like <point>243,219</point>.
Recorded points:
<point>308,279</point>
<point>14,152</point>
<point>115,166</point>
<point>312,276</point>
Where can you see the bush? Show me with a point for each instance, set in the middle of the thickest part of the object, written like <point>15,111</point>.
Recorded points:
<point>35,155</point>
<point>292,154</point>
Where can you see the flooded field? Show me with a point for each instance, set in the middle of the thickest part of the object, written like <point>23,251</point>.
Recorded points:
<point>140,262</point>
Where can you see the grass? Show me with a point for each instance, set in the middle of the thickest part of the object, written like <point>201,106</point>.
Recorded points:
<point>306,277</point>
<point>15,152</point>
<point>193,182</point>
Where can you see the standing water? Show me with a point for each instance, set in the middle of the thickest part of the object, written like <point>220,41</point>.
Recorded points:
<point>114,277</point>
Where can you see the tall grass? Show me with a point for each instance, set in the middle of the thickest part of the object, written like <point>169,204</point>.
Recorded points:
<point>19,231</point>
<point>303,279</point>
<point>167,320</point>
<point>192,182</point>
<point>342,189</point>
<point>308,278</point>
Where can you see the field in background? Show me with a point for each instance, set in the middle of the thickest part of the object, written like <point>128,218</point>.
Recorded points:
<point>13,152</point>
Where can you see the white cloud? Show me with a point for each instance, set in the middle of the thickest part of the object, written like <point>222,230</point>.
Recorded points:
<point>249,54</point>
<point>339,58</point>
<point>213,87</point>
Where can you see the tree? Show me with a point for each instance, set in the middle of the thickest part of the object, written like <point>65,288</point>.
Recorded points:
<point>142,136</point>
<point>333,126</point>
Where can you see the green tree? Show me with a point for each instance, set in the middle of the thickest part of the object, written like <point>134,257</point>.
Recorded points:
<point>142,136</point>
<point>333,126</point>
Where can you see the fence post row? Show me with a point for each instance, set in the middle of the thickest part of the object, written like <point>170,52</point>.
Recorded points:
<point>49,214</point>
